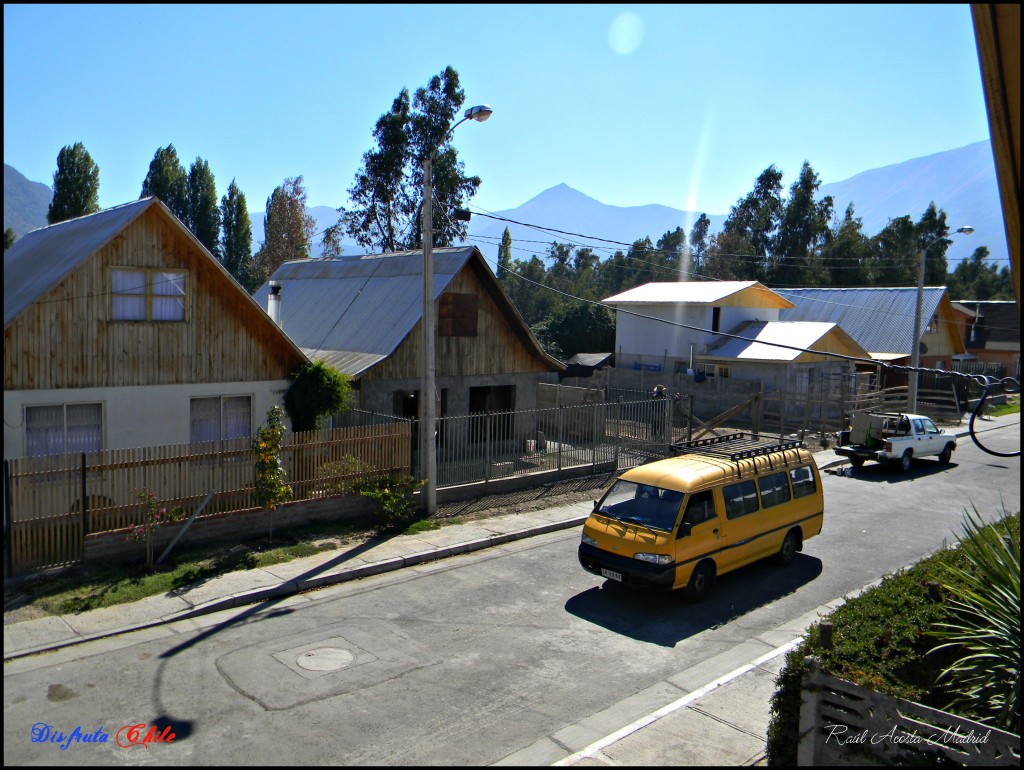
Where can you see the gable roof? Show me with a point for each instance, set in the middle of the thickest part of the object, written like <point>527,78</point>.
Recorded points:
<point>42,258</point>
<point>881,320</point>
<point>799,337</point>
<point>997,322</point>
<point>354,312</point>
<point>731,293</point>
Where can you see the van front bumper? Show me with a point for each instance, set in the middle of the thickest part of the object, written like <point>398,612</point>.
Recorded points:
<point>634,572</point>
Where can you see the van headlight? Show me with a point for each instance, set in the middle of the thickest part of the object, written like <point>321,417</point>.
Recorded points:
<point>654,558</point>
<point>588,540</point>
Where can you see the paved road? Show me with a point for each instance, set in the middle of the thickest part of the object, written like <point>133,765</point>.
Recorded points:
<point>509,655</point>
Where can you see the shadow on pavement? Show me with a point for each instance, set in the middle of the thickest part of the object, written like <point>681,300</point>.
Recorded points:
<point>919,469</point>
<point>663,618</point>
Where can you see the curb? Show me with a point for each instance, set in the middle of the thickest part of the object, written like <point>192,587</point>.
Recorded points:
<point>292,587</point>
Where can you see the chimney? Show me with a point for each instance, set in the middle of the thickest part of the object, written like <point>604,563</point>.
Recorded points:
<point>274,302</point>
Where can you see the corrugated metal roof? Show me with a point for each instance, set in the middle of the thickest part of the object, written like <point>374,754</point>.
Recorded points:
<point>354,312</point>
<point>695,292</point>
<point>796,334</point>
<point>39,259</point>
<point>880,320</point>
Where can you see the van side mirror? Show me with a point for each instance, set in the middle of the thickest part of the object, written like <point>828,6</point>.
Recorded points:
<point>684,530</point>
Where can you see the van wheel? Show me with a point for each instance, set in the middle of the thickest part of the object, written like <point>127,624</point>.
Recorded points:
<point>789,548</point>
<point>946,454</point>
<point>906,461</point>
<point>700,582</point>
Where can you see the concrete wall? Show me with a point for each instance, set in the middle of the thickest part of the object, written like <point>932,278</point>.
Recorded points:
<point>138,416</point>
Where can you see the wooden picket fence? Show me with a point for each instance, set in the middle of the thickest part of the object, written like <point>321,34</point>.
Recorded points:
<point>51,503</point>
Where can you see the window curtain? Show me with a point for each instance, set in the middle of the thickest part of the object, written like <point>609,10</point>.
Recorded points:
<point>129,295</point>
<point>205,420</point>
<point>168,297</point>
<point>237,417</point>
<point>44,430</point>
<point>84,427</point>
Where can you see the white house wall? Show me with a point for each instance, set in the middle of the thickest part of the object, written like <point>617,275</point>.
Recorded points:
<point>643,337</point>
<point>138,416</point>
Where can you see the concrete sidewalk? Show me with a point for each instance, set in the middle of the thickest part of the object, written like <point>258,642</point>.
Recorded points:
<point>714,714</point>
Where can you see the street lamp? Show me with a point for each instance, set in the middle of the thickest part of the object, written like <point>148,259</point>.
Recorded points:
<point>428,445</point>
<point>915,343</point>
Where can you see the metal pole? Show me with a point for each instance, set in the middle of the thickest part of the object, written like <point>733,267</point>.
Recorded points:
<point>428,448</point>
<point>915,343</point>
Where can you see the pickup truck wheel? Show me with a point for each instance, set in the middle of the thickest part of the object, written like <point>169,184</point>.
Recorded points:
<point>700,582</point>
<point>906,461</point>
<point>789,548</point>
<point>857,462</point>
<point>946,454</point>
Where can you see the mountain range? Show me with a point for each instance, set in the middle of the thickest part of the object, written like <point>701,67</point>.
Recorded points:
<point>960,181</point>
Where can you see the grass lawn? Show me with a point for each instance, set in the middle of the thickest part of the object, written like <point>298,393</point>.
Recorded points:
<point>91,586</point>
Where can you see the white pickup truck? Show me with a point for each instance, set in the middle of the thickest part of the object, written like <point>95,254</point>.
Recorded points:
<point>894,437</point>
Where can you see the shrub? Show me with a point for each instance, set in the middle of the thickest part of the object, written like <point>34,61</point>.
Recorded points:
<point>316,390</point>
<point>984,624</point>
<point>393,494</point>
<point>881,640</point>
<point>345,476</point>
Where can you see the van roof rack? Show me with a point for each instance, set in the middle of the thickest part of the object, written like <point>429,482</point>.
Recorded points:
<point>734,446</point>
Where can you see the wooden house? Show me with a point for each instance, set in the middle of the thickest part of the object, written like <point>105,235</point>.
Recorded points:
<point>122,330</point>
<point>362,315</point>
<point>881,320</point>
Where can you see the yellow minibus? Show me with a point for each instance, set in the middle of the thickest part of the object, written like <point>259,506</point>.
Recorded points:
<point>719,504</point>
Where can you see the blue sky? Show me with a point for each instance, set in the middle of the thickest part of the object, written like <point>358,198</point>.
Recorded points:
<point>681,105</point>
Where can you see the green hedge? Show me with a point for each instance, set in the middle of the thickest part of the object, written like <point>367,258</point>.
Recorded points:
<point>880,641</point>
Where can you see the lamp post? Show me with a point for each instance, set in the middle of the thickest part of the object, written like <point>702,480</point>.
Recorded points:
<point>915,343</point>
<point>428,412</point>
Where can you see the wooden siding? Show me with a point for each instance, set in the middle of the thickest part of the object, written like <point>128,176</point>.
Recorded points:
<point>66,339</point>
<point>496,348</point>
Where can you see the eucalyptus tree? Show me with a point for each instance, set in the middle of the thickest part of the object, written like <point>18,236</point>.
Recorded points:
<point>76,185</point>
<point>803,233</point>
<point>287,230</point>
<point>387,190</point>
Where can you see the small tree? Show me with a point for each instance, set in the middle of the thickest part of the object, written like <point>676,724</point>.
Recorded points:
<point>317,390</point>
<point>271,489</point>
<point>153,515</point>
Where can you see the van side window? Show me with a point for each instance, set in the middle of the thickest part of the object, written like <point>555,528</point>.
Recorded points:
<point>803,481</point>
<point>774,489</point>
<point>700,507</point>
<point>740,499</point>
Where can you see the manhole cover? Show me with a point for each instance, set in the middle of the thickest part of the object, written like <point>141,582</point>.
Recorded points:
<point>325,659</point>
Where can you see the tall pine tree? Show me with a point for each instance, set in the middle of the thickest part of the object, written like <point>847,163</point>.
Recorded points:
<point>166,179</point>
<point>76,185</point>
<point>236,243</point>
<point>204,218</point>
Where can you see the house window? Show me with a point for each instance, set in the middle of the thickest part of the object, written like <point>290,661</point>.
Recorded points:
<point>63,429</point>
<point>708,370</point>
<point>724,372</point>
<point>220,417</point>
<point>933,325</point>
<point>457,315</point>
<point>147,295</point>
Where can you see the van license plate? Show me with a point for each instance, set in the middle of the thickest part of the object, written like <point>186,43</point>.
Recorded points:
<point>611,575</point>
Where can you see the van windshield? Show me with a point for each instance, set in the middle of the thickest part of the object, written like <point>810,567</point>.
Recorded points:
<point>642,504</point>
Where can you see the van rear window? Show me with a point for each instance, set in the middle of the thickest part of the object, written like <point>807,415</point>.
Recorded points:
<point>803,481</point>
<point>740,499</point>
